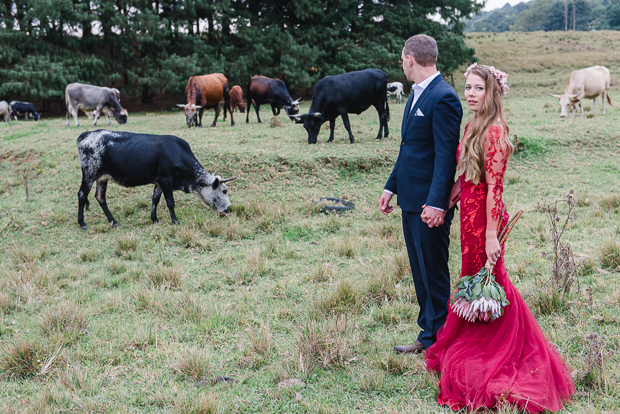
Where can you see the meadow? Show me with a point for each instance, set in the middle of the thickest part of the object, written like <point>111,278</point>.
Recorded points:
<point>280,307</point>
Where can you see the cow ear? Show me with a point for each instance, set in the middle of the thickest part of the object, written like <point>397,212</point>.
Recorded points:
<point>574,99</point>
<point>215,183</point>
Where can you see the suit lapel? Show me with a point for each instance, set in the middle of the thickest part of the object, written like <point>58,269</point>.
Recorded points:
<point>405,122</point>
<point>421,99</point>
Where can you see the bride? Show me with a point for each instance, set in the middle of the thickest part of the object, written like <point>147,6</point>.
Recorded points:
<point>509,359</point>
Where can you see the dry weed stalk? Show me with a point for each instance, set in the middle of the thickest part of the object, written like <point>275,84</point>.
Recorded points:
<point>564,266</point>
<point>597,357</point>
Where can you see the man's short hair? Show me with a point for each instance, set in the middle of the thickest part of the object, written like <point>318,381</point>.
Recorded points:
<point>423,48</point>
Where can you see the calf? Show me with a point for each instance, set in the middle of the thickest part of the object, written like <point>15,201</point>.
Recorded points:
<point>205,92</point>
<point>395,88</point>
<point>263,90</point>
<point>5,109</point>
<point>347,93</point>
<point>236,99</point>
<point>132,160</point>
<point>24,108</point>
<point>586,83</point>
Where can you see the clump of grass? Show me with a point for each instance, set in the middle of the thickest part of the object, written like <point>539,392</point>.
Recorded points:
<point>400,266</point>
<point>610,254</point>
<point>275,122</point>
<point>127,246</point>
<point>611,202</point>
<point>66,318</point>
<point>381,286</point>
<point>582,199</point>
<point>115,266</point>
<point>323,272</point>
<point>323,344</point>
<point>184,306</point>
<point>395,313</point>
<point>7,303</point>
<point>334,223</point>
<point>128,210</point>
<point>24,254</point>
<point>166,276</point>
<point>88,255</point>
<point>201,404</point>
<point>342,298</point>
<point>393,364</point>
<point>371,381</point>
<point>255,262</point>
<point>21,359</point>
<point>545,300</point>
<point>261,340</point>
<point>596,361</point>
<point>587,267</point>
<point>192,364</point>
<point>192,239</point>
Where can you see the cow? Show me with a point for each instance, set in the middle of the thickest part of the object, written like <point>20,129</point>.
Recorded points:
<point>347,93</point>
<point>236,99</point>
<point>262,90</point>
<point>93,98</point>
<point>24,108</point>
<point>5,109</point>
<point>206,92</point>
<point>91,114</point>
<point>586,83</point>
<point>133,160</point>
<point>395,88</point>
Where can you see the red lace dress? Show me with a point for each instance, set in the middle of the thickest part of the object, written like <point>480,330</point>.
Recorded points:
<point>509,359</point>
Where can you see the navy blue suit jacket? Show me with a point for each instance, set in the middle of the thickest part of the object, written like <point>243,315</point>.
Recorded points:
<point>425,168</point>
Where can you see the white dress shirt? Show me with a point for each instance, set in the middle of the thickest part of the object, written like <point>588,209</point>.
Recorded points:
<point>417,92</point>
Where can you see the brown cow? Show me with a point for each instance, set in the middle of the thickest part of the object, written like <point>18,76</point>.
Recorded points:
<point>206,92</point>
<point>236,99</point>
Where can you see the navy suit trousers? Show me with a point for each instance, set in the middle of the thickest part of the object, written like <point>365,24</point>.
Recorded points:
<point>428,256</point>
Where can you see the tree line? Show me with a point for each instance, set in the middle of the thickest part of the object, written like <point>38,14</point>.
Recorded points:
<point>549,15</point>
<point>151,47</point>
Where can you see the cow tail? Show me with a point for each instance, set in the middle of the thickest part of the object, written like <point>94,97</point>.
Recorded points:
<point>609,98</point>
<point>227,99</point>
<point>387,109</point>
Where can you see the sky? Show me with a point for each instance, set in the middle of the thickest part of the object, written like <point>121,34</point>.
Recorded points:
<point>496,4</point>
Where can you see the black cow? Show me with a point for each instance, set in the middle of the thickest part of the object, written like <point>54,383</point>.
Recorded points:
<point>132,160</point>
<point>263,90</point>
<point>347,93</point>
<point>24,108</point>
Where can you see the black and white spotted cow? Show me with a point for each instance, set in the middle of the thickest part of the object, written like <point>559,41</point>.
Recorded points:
<point>24,108</point>
<point>133,160</point>
<point>395,88</point>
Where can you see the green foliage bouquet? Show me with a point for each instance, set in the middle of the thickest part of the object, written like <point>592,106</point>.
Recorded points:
<point>479,297</point>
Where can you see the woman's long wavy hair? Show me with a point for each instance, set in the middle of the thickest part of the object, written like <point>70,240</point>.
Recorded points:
<point>471,162</point>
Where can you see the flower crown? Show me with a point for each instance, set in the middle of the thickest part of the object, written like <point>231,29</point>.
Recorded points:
<point>499,75</point>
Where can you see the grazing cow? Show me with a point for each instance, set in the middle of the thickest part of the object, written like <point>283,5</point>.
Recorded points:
<point>132,160</point>
<point>263,90</point>
<point>586,83</point>
<point>5,109</point>
<point>93,98</point>
<point>206,92</point>
<point>347,93</point>
<point>236,99</point>
<point>91,114</point>
<point>24,108</point>
<point>395,88</point>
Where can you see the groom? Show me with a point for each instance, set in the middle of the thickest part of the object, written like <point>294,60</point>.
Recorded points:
<point>422,178</point>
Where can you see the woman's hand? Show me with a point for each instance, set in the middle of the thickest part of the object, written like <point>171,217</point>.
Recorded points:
<point>492,248</point>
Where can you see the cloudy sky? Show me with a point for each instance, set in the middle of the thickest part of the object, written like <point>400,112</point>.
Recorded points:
<point>496,4</point>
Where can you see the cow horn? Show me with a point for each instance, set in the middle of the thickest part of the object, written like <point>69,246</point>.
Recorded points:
<point>228,179</point>
<point>555,96</point>
<point>317,114</point>
<point>181,105</point>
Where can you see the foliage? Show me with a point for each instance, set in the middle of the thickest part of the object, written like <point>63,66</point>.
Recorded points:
<point>149,48</point>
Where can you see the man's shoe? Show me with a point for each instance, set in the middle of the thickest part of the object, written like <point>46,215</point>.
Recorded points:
<point>409,349</point>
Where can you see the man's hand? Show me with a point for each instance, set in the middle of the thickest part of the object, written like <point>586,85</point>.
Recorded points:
<point>432,216</point>
<point>384,203</point>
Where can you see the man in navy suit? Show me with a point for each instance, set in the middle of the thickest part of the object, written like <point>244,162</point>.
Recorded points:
<point>422,178</point>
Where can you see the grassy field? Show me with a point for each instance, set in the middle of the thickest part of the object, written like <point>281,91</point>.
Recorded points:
<point>148,318</point>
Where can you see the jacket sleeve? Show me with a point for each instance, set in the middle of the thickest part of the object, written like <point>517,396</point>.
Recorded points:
<point>447,116</point>
<point>390,185</point>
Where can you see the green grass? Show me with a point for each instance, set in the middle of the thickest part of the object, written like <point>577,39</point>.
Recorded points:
<point>144,318</point>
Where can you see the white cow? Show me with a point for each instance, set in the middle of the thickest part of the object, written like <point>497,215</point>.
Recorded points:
<point>5,109</point>
<point>586,83</point>
<point>99,100</point>
<point>395,88</point>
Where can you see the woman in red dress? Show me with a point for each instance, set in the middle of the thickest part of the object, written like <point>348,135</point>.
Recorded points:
<point>484,364</point>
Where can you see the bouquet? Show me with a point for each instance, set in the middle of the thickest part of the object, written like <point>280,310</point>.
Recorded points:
<point>480,297</point>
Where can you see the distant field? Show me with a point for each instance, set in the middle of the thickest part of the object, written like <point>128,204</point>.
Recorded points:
<point>144,318</point>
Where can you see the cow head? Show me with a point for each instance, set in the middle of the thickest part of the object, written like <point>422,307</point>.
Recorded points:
<point>312,123</point>
<point>293,108</point>
<point>191,116</point>
<point>121,116</point>
<point>567,103</point>
<point>213,192</point>
<point>242,107</point>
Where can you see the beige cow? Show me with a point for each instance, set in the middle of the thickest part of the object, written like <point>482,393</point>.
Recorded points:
<point>5,109</point>
<point>586,83</point>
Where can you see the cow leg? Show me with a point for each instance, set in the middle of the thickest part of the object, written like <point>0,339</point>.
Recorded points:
<point>83,200</point>
<point>383,120</point>
<point>224,111</point>
<point>217,114</point>
<point>580,108</point>
<point>170,203</point>
<point>102,186</point>
<point>156,197</point>
<point>200,113</point>
<point>26,116</point>
<point>347,126</point>
<point>97,114</point>
<point>232,120</point>
<point>107,118</point>
<point>256,106</point>
<point>332,126</point>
